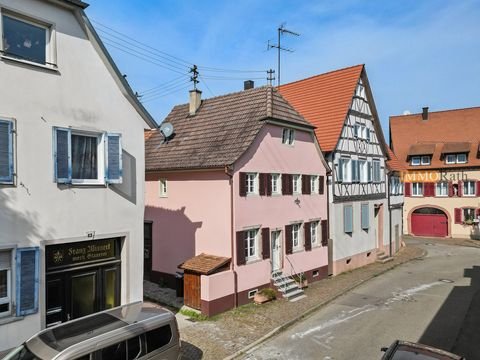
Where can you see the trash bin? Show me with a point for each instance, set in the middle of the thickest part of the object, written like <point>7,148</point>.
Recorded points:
<point>179,283</point>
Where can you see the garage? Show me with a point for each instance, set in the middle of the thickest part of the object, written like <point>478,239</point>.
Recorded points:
<point>429,221</point>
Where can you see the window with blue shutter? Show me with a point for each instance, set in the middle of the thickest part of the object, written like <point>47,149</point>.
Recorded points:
<point>365,217</point>
<point>6,151</point>
<point>369,171</point>
<point>368,135</point>
<point>62,155</point>
<point>27,260</point>
<point>348,219</point>
<point>113,168</point>
<point>340,169</point>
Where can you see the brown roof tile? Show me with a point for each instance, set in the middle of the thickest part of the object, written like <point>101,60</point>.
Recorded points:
<point>204,264</point>
<point>457,129</point>
<point>393,163</point>
<point>421,149</point>
<point>220,132</point>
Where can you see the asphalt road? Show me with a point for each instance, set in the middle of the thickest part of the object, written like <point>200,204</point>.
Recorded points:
<point>434,301</point>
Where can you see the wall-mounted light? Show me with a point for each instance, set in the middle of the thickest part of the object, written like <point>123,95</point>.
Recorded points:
<point>297,201</point>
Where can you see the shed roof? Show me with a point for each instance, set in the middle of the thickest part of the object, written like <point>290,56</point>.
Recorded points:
<point>204,264</point>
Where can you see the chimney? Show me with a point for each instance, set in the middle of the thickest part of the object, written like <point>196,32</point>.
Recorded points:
<point>195,101</point>
<point>425,113</point>
<point>248,84</point>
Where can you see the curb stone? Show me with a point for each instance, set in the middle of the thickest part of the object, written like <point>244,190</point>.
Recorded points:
<point>289,323</point>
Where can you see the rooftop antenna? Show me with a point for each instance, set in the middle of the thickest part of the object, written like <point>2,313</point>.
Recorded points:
<point>281,30</point>
<point>194,77</point>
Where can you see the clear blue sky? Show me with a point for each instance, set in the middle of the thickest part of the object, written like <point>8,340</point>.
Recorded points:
<point>417,53</point>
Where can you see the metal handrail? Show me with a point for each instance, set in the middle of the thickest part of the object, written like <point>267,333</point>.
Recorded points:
<point>302,274</point>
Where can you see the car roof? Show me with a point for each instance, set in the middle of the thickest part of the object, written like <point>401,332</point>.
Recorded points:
<point>405,350</point>
<point>48,343</point>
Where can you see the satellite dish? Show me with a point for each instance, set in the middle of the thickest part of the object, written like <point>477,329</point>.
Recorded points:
<point>167,130</point>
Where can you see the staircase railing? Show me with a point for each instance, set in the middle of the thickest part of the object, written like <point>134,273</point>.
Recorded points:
<point>294,274</point>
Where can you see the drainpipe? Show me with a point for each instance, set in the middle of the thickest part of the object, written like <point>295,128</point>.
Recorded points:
<point>389,215</point>
<point>329,243</point>
<point>229,173</point>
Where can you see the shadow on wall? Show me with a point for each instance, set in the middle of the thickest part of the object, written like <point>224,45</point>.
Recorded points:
<point>20,227</point>
<point>128,188</point>
<point>173,241</point>
<point>475,232</point>
<point>455,326</point>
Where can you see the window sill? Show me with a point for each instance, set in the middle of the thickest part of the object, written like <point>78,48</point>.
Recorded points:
<point>10,319</point>
<point>253,261</point>
<point>53,69</point>
<point>294,251</point>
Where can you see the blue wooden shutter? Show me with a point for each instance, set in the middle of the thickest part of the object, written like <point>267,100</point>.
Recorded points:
<point>113,163</point>
<point>62,155</point>
<point>369,171</point>
<point>348,219</point>
<point>365,217</point>
<point>6,152</point>
<point>368,135</point>
<point>340,169</point>
<point>27,280</point>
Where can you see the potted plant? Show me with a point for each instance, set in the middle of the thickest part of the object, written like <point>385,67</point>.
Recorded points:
<point>264,295</point>
<point>301,280</point>
<point>468,221</point>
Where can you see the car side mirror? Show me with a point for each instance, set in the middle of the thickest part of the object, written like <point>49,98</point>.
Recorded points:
<point>384,349</point>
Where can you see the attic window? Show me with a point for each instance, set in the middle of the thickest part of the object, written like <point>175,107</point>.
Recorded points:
<point>288,136</point>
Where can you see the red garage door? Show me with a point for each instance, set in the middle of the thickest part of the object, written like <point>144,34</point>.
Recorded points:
<point>429,222</point>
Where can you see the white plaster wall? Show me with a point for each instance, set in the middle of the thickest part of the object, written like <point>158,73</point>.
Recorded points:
<point>82,94</point>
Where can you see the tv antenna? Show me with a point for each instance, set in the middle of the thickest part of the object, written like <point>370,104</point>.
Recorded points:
<point>166,130</point>
<point>270,76</point>
<point>194,77</point>
<point>281,31</point>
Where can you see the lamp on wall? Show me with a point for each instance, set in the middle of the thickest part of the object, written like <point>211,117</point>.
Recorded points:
<point>297,201</point>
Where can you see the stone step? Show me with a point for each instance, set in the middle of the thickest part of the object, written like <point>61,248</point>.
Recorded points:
<point>385,260</point>
<point>299,297</point>
<point>288,288</point>
<point>293,294</point>
<point>283,282</point>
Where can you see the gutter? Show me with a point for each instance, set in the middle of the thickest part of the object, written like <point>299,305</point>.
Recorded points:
<point>229,172</point>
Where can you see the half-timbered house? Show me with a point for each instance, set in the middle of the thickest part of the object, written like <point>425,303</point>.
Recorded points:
<point>340,105</point>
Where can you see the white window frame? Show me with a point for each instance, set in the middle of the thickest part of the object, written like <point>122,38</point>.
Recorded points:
<point>251,185</point>
<point>296,236</point>
<point>347,169</point>
<point>314,184</point>
<point>461,161</point>
<point>249,235</point>
<point>415,160</point>
<point>417,189</point>
<point>314,233</point>
<point>297,183</point>
<point>450,159</point>
<point>465,187</point>
<point>288,136</point>
<point>163,187</point>
<point>50,38</point>
<point>363,170</point>
<point>8,298</point>
<point>426,162</point>
<point>101,141</point>
<point>470,209</point>
<point>276,184</point>
<point>441,189</point>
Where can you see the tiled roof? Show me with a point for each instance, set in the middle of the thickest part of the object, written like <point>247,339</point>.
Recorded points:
<point>421,149</point>
<point>220,132</point>
<point>324,101</point>
<point>457,129</point>
<point>393,163</point>
<point>205,264</point>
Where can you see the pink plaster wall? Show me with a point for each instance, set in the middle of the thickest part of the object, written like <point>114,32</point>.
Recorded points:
<point>216,286</point>
<point>193,218</point>
<point>268,155</point>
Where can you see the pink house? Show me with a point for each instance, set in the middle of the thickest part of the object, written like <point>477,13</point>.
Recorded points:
<point>236,199</point>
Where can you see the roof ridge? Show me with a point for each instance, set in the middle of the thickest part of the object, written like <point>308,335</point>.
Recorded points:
<point>322,74</point>
<point>435,112</point>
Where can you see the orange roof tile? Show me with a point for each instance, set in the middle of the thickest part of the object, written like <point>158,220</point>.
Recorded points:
<point>394,164</point>
<point>205,264</point>
<point>449,130</point>
<point>324,100</point>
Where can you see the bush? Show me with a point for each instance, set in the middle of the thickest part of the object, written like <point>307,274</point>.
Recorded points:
<point>269,293</point>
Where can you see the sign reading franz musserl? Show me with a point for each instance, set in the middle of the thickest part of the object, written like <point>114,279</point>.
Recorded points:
<point>78,253</point>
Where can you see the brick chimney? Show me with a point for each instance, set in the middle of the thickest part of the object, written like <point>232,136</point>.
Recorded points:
<point>425,113</point>
<point>248,84</point>
<point>195,101</point>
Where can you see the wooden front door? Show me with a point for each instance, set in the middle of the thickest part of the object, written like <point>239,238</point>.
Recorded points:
<point>147,250</point>
<point>191,289</point>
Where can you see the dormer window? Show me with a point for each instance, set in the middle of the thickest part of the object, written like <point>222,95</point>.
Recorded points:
<point>420,160</point>
<point>456,158</point>
<point>288,136</point>
<point>425,160</point>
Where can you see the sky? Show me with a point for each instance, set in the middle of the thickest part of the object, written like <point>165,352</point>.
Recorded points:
<point>417,52</point>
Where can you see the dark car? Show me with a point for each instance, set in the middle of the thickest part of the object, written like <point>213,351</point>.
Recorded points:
<point>405,350</point>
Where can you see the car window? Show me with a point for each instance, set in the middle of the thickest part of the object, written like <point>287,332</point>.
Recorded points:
<point>158,338</point>
<point>134,348</point>
<point>115,352</point>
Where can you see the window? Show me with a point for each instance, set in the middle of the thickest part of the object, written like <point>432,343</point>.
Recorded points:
<point>115,352</point>
<point>461,158</point>
<point>27,40</point>
<point>344,170</point>
<point>276,184</point>
<point>441,189</point>
<point>415,161</point>
<point>355,171</point>
<point>251,244</point>
<point>134,347</point>
<point>6,151</point>
<point>361,131</point>
<point>348,219</point>
<point>296,236</point>
<point>456,158</point>
<point>395,186</point>
<point>365,217</point>
<point>87,158</point>
<point>451,159</point>
<point>314,232</point>
<point>417,189</point>
<point>469,188</point>
<point>297,184</point>
<point>363,170</point>
<point>314,184</point>
<point>425,160</point>
<point>468,214</point>
<point>5,283</point>
<point>252,293</point>
<point>158,338</point>
<point>163,187</point>
<point>288,136</point>
<point>377,177</point>
<point>252,183</point>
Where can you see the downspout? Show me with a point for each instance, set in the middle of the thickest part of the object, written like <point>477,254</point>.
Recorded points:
<point>329,242</point>
<point>229,173</point>
<point>389,215</point>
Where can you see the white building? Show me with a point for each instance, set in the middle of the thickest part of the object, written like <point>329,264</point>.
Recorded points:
<point>340,104</point>
<point>71,171</point>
